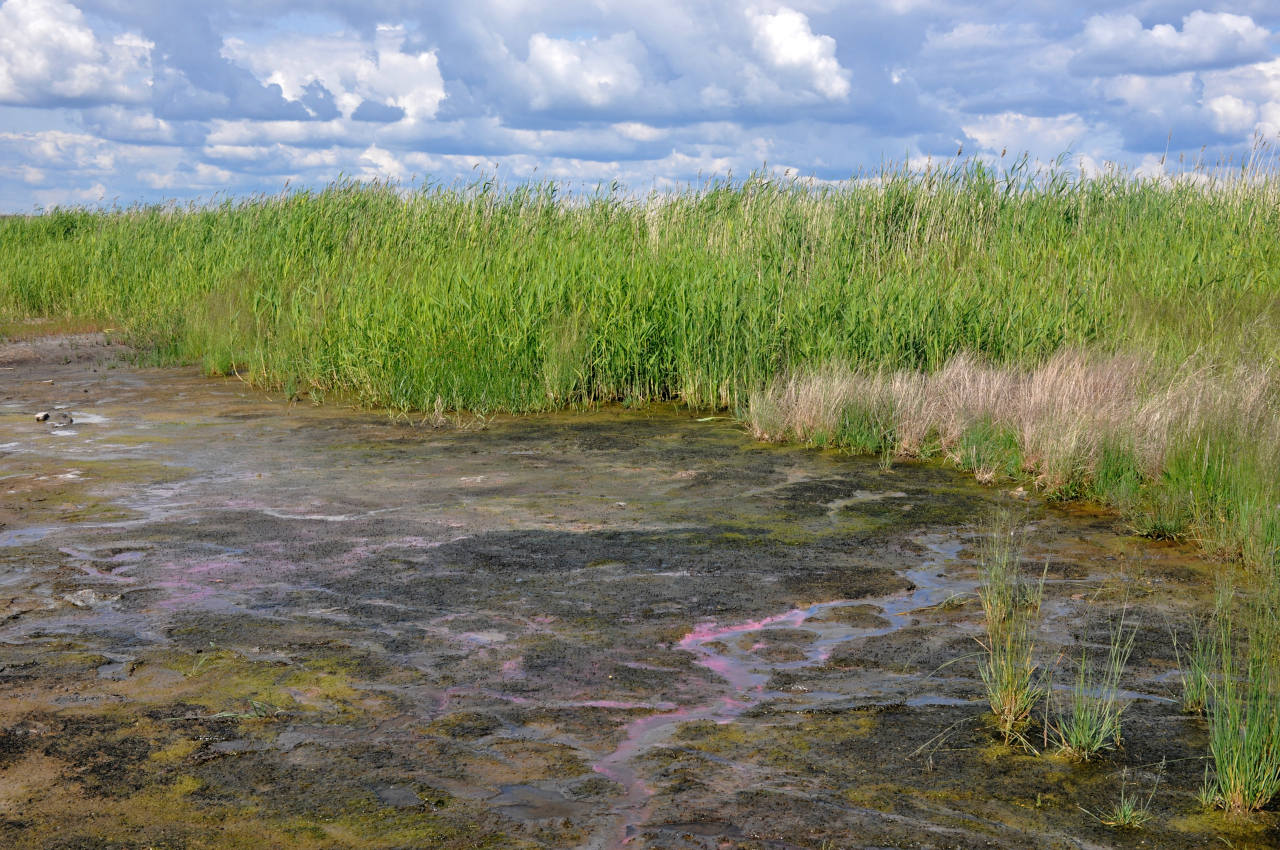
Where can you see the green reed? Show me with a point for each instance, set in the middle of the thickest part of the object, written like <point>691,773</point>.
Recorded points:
<point>519,298</point>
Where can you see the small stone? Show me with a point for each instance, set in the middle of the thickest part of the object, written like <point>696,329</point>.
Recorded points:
<point>42,416</point>
<point>116,671</point>
<point>88,598</point>
<point>397,796</point>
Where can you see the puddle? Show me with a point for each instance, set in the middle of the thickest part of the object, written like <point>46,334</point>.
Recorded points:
<point>14,537</point>
<point>287,625</point>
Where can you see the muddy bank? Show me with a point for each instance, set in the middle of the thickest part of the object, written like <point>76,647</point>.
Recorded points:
<point>232,621</point>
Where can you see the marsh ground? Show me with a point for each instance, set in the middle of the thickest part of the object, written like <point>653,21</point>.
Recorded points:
<point>231,621</point>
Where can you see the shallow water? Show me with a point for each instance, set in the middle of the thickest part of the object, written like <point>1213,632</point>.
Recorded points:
<point>235,621</point>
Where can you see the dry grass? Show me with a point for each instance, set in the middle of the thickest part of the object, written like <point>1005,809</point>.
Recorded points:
<point>1062,412</point>
<point>1196,446</point>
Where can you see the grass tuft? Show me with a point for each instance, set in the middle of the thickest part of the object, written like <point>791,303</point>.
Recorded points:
<point>1244,708</point>
<point>1011,605</point>
<point>1198,668</point>
<point>1130,811</point>
<point>1092,721</point>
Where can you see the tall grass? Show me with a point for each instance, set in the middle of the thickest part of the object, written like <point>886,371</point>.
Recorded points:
<point>1198,669</point>
<point>520,299</point>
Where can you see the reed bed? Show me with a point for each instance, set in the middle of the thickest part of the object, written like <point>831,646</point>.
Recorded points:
<point>522,299</point>
<point>1109,337</point>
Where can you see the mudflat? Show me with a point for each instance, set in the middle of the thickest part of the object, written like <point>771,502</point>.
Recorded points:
<point>228,620</point>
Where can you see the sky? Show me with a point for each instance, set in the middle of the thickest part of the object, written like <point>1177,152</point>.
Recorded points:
<point>146,101</point>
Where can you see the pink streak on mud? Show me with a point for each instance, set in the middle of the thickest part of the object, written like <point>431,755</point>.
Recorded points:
<point>738,674</point>
<point>707,632</point>
<point>646,732</point>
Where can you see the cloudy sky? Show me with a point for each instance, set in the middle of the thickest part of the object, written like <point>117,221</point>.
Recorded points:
<point>148,100</point>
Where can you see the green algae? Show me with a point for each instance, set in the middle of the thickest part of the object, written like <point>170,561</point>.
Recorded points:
<point>223,680</point>
<point>465,725</point>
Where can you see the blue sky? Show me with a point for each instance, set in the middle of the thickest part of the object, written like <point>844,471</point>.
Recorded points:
<point>107,101</point>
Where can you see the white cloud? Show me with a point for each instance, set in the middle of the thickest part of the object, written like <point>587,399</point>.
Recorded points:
<point>1137,91</point>
<point>1116,43</point>
<point>592,72</point>
<point>352,69</point>
<point>906,7</point>
<point>1269,121</point>
<point>378,163</point>
<point>70,196</point>
<point>1232,116</point>
<point>233,153</point>
<point>279,158</point>
<point>1259,81</point>
<point>49,53</point>
<point>59,149</point>
<point>1234,103</point>
<point>198,176</point>
<point>638,131</point>
<point>973,36</point>
<point>1257,86</point>
<point>243,131</point>
<point>1043,137</point>
<point>785,39</point>
<point>128,123</point>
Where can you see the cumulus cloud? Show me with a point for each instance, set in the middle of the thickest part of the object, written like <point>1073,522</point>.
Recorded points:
<point>200,175</point>
<point>1190,109</point>
<point>59,149</point>
<point>1043,137</point>
<point>1118,43</point>
<point>787,42</point>
<point>639,131</point>
<point>130,124</point>
<point>71,195</point>
<point>591,72</point>
<point>1232,116</point>
<point>1256,87</point>
<point>151,98</point>
<point>49,54</point>
<point>352,69</point>
<point>377,163</point>
<point>304,133</point>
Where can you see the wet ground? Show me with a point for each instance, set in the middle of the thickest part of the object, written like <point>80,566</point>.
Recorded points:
<point>231,621</point>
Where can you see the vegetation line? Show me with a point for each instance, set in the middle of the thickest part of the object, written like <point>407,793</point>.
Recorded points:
<point>1111,337</point>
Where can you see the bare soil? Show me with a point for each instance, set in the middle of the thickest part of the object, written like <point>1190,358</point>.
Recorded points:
<point>231,621</point>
